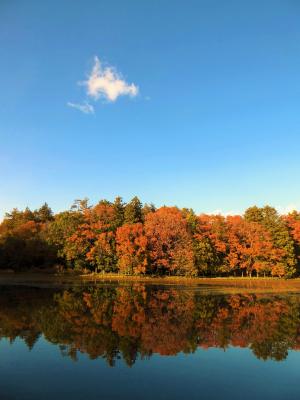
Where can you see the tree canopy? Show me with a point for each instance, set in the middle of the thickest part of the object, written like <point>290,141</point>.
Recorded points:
<point>139,239</point>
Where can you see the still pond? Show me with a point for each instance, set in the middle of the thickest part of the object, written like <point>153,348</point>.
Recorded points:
<point>139,341</point>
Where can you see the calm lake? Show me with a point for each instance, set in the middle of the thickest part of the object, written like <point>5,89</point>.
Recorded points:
<point>138,341</point>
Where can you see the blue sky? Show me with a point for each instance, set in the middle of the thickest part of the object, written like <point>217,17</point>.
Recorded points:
<point>212,119</point>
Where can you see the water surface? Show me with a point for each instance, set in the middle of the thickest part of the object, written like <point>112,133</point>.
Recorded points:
<point>138,341</point>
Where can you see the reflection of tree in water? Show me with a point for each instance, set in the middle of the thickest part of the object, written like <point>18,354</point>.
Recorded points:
<point>135,321</point>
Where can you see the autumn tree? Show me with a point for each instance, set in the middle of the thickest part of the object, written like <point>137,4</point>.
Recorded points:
<point>16,218</point>
<point>136,238</point>
<point>132,249</point>
<point>293,222</point>
<point>191,219</point>
<point>210,244</point>
<point>251,248</point>
<point>22,241</point>
<point>93,244</point>
<point>269,218</point>
<point>60,230</point>
<point>170,244</point>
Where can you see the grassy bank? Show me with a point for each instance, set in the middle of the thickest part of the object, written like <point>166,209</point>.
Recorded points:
<point>228,284</point>
<point>220,281</point>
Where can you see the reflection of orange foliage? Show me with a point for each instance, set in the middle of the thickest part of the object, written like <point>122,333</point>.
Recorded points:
<point>160,321</point>
<point>167,328</point>
<point>139,319</point>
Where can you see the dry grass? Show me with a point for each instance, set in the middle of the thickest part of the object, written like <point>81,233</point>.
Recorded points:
<point>227,284</point>
<point>224,285</point>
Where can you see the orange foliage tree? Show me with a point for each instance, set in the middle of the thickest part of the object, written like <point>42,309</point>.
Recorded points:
<point>251,248</point>
<point>23,239</point>
<point>131,249</point>
<point>94,241</point>
<point>210,244</point>
<point>170,243</point>
<point>138,239</point>
<point>293,222</point>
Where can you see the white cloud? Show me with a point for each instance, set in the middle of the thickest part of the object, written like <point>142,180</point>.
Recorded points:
<point>225,213</point>
<point>86,108</point>
<point>107,83</point>
<point>283,210</point>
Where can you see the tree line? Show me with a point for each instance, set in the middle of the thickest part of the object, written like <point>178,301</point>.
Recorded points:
<point>138,239</point>
<point>137,321</point>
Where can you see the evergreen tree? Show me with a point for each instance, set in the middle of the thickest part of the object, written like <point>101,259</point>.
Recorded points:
<point>133,211</point>
<point>44,214</point>
<point>119,211</point>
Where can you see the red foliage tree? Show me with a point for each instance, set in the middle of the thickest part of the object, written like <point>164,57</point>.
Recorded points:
<point>132,249</point>
<point>94,241</point>
<point>170,243</point>
<point>251,248</point>
<point>293,222</point>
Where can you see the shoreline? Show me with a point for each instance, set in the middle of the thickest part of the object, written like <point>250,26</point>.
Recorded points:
<point>218,284</point>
